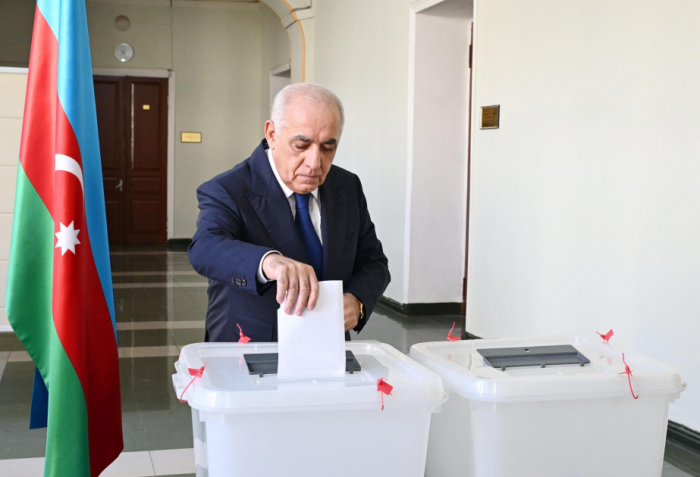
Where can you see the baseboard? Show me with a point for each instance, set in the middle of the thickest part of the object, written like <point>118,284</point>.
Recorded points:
<point>425,309</point>
<point>179,244</point>
<point>684,436</point>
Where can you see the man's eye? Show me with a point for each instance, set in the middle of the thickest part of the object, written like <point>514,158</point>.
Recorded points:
<point>300,147</point>
<point>328,148</point>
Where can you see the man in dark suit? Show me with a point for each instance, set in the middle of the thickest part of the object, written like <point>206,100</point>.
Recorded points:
<point>282,220</point>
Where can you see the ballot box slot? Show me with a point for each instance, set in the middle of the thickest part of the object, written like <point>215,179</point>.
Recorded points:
<point>541,356</point>
<point>266,363</point>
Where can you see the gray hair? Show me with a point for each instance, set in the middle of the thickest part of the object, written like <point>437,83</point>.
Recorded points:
<point>309,91</point>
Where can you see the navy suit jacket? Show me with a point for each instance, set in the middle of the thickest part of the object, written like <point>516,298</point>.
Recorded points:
<point>243,214</point>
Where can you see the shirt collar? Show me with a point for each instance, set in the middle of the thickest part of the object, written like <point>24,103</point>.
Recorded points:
<point>287,191</point>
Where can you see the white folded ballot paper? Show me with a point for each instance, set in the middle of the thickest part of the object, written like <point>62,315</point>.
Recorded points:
<point>313,345</point>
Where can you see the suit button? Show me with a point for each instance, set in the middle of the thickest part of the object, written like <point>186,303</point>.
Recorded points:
<point>243,282</point>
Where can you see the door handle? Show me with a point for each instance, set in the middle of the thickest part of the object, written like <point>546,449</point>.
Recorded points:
<point>120,186</point>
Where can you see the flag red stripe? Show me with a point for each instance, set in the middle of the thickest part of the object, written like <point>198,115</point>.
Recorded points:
<point>37,151</point>
<point>81,315</point>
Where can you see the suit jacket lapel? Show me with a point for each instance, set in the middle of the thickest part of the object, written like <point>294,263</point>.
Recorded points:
<point>272,207</point>
<point>333,226</point>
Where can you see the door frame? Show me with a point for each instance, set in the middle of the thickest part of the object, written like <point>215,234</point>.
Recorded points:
<point>414,9</point>
<point>170,75</point>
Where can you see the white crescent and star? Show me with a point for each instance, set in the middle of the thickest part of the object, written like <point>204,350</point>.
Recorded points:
<point>68,236</point>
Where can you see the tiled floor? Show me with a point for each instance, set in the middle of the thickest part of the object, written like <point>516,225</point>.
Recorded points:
<point>160,304</point>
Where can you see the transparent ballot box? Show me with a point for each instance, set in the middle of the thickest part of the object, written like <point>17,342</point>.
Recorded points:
<point>247,422</point>
<point>552,406</point>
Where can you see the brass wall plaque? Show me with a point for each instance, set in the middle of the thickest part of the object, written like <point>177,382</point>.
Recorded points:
<point>490,116</point>
<point>191,137</point>
<point>146,106</point>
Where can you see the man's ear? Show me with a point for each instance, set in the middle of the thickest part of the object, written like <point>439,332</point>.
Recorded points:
<point>270,133</point>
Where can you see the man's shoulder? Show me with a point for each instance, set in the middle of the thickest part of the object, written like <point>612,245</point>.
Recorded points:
<point>342,177</point>
<point>236,178</point>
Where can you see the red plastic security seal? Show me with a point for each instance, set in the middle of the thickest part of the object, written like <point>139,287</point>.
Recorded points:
<point>196,373</point>
<point>449,335</point>
<point>243,339</point>
<point>384,388</point>
<point>606,337</point>
<point>628,372</point>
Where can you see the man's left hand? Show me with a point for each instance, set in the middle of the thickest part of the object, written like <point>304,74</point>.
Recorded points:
<point>351,306</point>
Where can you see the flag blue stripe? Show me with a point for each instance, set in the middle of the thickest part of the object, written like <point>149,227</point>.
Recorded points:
<point>77,96</point>
<point>39,412</point>
<point>50,10</point>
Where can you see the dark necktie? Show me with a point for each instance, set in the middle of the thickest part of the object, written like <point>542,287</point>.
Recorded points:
<point>307,233</point>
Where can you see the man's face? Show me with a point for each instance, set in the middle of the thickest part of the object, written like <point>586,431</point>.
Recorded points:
<point>304,149</point>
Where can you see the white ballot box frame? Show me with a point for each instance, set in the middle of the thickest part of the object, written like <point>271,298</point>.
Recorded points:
<point>553,421</point>
<point>248,426</point>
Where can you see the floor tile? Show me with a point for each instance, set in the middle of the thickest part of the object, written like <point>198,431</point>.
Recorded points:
<point>136,279</point>
<point>130,464</point>
<point>168,429</point>
<point>32,467</point>
<point>159,325</point>
<point>7,341</point>
<point>188,336</point>
<point>173,461</point>
<point>18,356</point>
<point>3,361</point>
<point>144,338</point>
<point>150,351</point>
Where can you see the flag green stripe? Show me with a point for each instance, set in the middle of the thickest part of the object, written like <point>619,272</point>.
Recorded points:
<point>30,277</point>
<point>28,300</point>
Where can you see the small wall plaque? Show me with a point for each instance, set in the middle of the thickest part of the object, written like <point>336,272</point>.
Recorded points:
<point>146,107</point>
<point>490,116</point>
<point>191,137</point>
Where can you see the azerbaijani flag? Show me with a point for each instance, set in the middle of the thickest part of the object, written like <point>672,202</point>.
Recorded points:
<point>59,292</point>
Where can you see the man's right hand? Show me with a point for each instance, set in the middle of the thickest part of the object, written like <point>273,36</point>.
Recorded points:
<point>295,280</point>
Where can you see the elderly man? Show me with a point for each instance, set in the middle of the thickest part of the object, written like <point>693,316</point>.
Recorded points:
<point>282,220</point>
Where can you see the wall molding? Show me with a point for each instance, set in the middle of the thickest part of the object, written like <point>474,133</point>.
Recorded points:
<point>14,70</point>
<point>218,4</point>
<point>149,3</point>
<point>683,436</point>
<point>178,244</point>
<point>126,71</point>
<point>424,309</point>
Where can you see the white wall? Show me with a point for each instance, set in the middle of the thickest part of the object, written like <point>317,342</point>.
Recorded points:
<point>435,234</point>
<point>150,35</point>
<point>361,53</point>
<point>13,87</point>
<point>275,51</point>
<point>216,55</point>
<point>16,22</point>
<point>585,202</point>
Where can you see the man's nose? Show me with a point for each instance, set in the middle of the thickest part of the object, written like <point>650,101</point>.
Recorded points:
<point>313,157</point>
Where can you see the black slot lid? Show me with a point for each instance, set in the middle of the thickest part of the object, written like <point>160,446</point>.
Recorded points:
<point>532,356</point>
<point>266,363</point>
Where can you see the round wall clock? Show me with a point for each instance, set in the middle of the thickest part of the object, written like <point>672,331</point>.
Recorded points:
<point>124,52</point>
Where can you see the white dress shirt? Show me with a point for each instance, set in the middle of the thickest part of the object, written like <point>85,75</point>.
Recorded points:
<point>314,211</point>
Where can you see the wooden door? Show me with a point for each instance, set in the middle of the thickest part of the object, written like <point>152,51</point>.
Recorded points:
<point>132,117</point>
<point>110,121</point>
